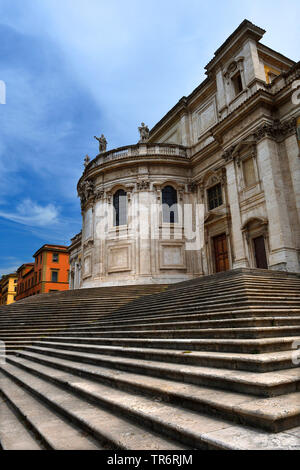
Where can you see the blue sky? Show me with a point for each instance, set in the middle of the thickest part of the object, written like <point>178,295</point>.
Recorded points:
<point>77,68</point>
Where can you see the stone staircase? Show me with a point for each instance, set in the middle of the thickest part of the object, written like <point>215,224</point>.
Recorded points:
<point>204,364</point>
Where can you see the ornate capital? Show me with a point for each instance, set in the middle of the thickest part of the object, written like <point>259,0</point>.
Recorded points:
<point>86,191</point>
<point>277,130</point>
<point>143,185</point>
<point>192,187</point>
<point>88,244</point>
<point>99,194</point>
<point>228,154</point>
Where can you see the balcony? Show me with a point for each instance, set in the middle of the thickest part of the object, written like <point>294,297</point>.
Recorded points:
<point>139,150</point>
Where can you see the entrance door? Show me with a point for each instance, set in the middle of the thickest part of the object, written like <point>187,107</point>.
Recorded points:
<point>260,252</point>
<point>221,253</point>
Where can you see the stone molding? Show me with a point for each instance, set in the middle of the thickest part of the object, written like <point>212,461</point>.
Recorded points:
<point>143,185</point>
<point>277,130</point>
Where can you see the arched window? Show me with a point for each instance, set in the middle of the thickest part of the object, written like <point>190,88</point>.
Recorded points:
<point>120,208</point>
<point>169,205</point>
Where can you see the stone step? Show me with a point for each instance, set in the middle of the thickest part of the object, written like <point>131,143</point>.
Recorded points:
<point>202,333</point>
<point>168,315</point>
<point>109,430</point>
<point>248,289</point>
<point>190,428</point>
<point>265,362</point>
<point>51,430</point>
<point>200,307</point>
<point>248,346</point>
<point>236,407</point>
<point>218,302</point>
<point>222,323</point>
<point>178,317</point>
<point>268,384</point>
<point>188,310</point>
<point>238,333</point>
<point>240,293</point>
<point>13,433</point>
<point>141,323</point>
<point>279,291</point>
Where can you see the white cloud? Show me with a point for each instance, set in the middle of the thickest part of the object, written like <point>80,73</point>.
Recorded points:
<point>32,214</point>
<point>9,264</point>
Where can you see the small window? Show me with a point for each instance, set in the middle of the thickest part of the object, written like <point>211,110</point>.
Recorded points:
<point>120,208</point>
<point>40,275</point>
<point>169,205</point>
<point>214,196</point>
<point>54,276</point>
<point>55,257</point>
<point>237,83</point>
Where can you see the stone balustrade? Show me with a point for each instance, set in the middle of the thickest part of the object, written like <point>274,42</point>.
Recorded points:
<point>139,150</point>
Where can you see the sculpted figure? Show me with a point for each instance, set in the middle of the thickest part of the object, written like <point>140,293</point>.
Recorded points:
<point>102,143</point>
<point>144,132</point>
<point>86,161</point>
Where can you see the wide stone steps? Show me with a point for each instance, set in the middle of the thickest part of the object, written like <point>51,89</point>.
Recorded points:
<point>236,407</point>
<point>109,431</point>
<point>139,325</point>
<point>208,363</point>
<point>13,434</point>
<point>266,385</point>
<point>174,312</point>
<point>177,317</point>
<point>163,316</point>
<point>268,316</point>
<point>15,310</point>
<point>223,323</point>
<point>173,423</point>
<point>188,334</point>
<point>239,333</point>
<point>264,362</point>
<point>247,346</point>
<point>49,430</point>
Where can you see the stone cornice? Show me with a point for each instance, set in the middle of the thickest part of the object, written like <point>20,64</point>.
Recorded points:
<point>276,130</point>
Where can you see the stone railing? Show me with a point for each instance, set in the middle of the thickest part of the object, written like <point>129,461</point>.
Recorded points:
<point>139,150</point>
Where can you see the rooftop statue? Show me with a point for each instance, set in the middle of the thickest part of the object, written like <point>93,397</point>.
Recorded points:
<point>102,143</point>
<point>86,161</point>
<point>144,132</point>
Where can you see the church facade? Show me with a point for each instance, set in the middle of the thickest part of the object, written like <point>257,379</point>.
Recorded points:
<point>213,186</point>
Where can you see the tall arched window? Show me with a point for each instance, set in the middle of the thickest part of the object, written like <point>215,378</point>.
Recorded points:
<point>120,208</point>
<point>169,205</point>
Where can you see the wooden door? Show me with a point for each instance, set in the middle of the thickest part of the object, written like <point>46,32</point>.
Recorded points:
<point>260,253</point>
<point>221,253</point>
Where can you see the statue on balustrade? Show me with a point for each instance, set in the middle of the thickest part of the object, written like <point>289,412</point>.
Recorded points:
<point>102,143</point>
<point>144,132</point>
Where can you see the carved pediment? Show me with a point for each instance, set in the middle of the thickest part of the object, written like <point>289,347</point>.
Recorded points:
<point>214,216</point>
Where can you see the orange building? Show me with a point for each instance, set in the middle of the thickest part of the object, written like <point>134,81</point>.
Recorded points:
<point>49,272</point>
